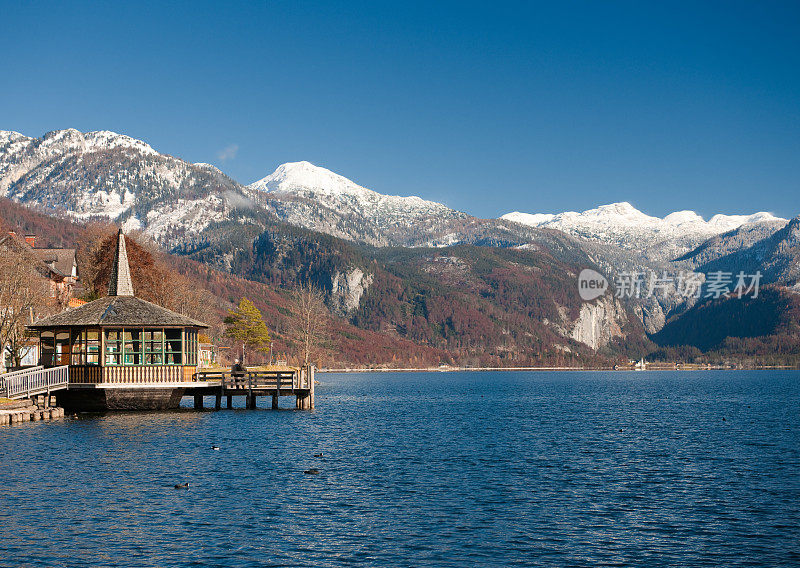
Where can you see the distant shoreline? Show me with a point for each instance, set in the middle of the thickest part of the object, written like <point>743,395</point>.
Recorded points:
<point>492,369</point>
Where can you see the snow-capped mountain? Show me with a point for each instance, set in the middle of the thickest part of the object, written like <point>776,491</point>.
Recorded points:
<point>621,224</point>
<point>104,175</point>
<point>111,176</point>
<point>316,198</point>
<point>304,179</point>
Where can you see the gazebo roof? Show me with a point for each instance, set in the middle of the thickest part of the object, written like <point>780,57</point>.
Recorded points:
<point>118,311</point>
<point>120,307</point>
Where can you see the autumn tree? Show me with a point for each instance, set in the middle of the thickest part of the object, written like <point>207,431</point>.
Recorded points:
<point>311,320</point>
<point>246,326</point>
<point>153,279</point>
<point>96,235</point>
<point>149,279</point>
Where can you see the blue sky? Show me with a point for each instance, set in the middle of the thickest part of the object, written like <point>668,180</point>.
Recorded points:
<point>488,107</point>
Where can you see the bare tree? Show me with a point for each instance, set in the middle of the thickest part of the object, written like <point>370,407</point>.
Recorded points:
<point>311,315</point>
<point>25,293</point>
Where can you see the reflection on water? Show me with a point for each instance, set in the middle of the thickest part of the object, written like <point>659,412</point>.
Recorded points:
<point>438,469</point>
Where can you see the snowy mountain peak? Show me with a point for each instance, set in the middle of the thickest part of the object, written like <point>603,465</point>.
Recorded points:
<point>530,219</point>
<point>107,140</point>
<point>72,140</point>
<point>729,222</point>
<point>319,199</point>
<point>306,176</point>
<point>621,208</point>
<point>9,135</point>
<point>679,218</point>
<point>304,179</point>
<point>208,166</point>
<point>623,212</point>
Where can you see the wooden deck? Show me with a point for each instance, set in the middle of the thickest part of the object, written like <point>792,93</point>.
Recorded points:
<point>272,382</point>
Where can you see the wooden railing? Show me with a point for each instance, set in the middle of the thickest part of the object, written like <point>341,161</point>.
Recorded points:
<point>131,374</point>
<point>254,379</point>
<point>32,381</point>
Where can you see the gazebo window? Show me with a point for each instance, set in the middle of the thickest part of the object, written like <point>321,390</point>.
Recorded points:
<point>133,347</point>
<point>92,347</point>
<point>191,347</point>
<point>48,345</point>
<point>82,348</point>
<point>78,346</point>
<point>113,346</point>
<point>153,347</point>
<point>173,346</point>
<point>62,347</point>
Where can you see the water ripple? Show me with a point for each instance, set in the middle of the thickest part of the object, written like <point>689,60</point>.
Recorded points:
<point>427,470</point>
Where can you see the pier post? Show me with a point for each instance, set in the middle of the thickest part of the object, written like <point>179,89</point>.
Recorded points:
<point>250,402</point>
<point>230,402</point>
<point>198,402</point>
<point>311,387</point>
<point>275,400</point>
<point>218,401</point>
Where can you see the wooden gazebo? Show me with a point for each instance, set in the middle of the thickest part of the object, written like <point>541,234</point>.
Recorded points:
<point>122,340</point>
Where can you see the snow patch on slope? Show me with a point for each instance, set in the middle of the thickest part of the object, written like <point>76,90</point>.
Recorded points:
<point>191,216</point>
<point>111,204</point>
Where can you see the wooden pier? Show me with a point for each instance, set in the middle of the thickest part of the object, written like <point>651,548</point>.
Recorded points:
<point>150,393</point>
<point>272,383</point>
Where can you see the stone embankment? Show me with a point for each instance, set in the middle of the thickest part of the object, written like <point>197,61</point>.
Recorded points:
<point>18,411</point>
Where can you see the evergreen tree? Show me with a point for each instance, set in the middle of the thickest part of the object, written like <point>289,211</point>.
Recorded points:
<point>246,325</point>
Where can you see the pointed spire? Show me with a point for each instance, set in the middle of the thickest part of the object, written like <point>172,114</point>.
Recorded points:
<point>120,282</point>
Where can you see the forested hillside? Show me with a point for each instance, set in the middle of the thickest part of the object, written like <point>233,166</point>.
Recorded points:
<point>465,305</point>
<point>760,331</point>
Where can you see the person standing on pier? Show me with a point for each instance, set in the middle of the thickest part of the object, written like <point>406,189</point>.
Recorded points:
<point>237,373</point>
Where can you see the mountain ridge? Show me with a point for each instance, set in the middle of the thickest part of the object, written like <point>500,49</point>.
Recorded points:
<point>625,226</point>
<point>102,174</point>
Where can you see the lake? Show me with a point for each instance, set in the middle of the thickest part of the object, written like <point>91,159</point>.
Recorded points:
<point>425,470</point>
